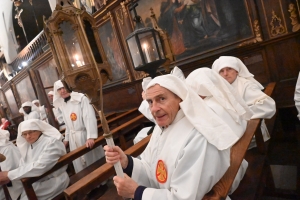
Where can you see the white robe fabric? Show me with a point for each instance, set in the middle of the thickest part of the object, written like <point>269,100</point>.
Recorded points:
<point>239,127</point>
<point>40,157</point>
<point>193,165</point>
<point>260,104</point>
<point>297,96</point>
<point>83,128</point>
<point>12,154</point>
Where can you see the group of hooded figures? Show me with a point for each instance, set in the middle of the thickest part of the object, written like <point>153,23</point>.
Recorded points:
<point>197,121</point>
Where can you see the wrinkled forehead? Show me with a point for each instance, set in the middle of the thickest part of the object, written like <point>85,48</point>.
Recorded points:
<point>157,91</point>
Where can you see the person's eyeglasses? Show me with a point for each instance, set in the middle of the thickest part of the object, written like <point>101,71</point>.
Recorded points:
<point>24,135</point>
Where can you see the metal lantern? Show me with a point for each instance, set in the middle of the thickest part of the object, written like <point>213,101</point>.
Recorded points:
<point>77,50</point>
<point>145,47</point>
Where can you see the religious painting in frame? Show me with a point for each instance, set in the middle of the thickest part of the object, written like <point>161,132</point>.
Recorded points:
<point>48,73</point>
<point>112,49</point>
<point>25,90</point>
<point>12,102</point>
<point>198,27</point>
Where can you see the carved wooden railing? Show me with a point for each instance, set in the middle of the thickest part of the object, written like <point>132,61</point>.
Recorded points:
<point>31,52</point>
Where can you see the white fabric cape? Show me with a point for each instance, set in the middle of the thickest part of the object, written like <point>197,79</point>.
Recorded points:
<point>207,82</point>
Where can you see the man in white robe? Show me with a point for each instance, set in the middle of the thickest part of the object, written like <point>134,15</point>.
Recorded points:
<point>29,110</point>
<point>237,74</point>
<point>40,146</point>
<point>81,124</point>
<point>188,153</point>
<point>297,96</point>
<point>13,156</point>
<point>41,110</point>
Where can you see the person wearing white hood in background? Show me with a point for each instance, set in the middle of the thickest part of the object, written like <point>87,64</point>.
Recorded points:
<point>237,74</point>
<point>144,107</point>
<point>41,146</point>
<point>29,110</point>
<point>220,96</point>
<point>13,156</point>
<point>189,150</point>
<point>81,124</point>
<point>57,112</point>
<point>41,110</point>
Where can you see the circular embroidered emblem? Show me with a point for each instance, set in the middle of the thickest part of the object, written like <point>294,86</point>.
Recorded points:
<point>161,172</point>
<point>73,116</point>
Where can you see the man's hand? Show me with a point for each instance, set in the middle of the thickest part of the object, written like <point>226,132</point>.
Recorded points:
<point>125,186</point>
<point>115,154</point>
<point>4,178</point>
<point>66,143</point>
<point>90,143</point>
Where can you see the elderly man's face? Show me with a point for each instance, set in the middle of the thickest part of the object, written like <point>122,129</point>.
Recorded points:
<point>50,97</point>
<point>63,92</point>
<point>27,109</point>
<point>31,136</point>
<point>229,74</point>
<point>164,104</point>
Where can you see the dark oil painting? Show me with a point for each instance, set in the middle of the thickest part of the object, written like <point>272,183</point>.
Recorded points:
<point>198,26</point>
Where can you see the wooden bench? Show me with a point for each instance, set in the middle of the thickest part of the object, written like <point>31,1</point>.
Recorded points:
<point>250,186</point>
<point>72,155</point>
<point>102,173</point>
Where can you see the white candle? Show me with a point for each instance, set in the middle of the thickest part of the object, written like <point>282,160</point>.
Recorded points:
<point>146,52</point>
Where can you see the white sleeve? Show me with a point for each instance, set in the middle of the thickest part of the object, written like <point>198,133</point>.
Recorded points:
<point>12,155</point>
<point>89,118</point>
<point>46,160</point>
<point>260,104</point>
<point>200,166</point>
<point>297,96</point>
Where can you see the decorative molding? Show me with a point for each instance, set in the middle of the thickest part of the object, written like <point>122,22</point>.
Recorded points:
<point>120,16</point>
<point>257,32</point>
<point>294,17</point>
<point>129,77</point>
<point>276,25</point>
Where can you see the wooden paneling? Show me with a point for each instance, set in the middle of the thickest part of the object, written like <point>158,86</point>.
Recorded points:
<point>120,98</point>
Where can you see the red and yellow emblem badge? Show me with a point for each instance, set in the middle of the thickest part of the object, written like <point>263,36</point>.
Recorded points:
<point>73,116</point>
<point>161,172</point>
